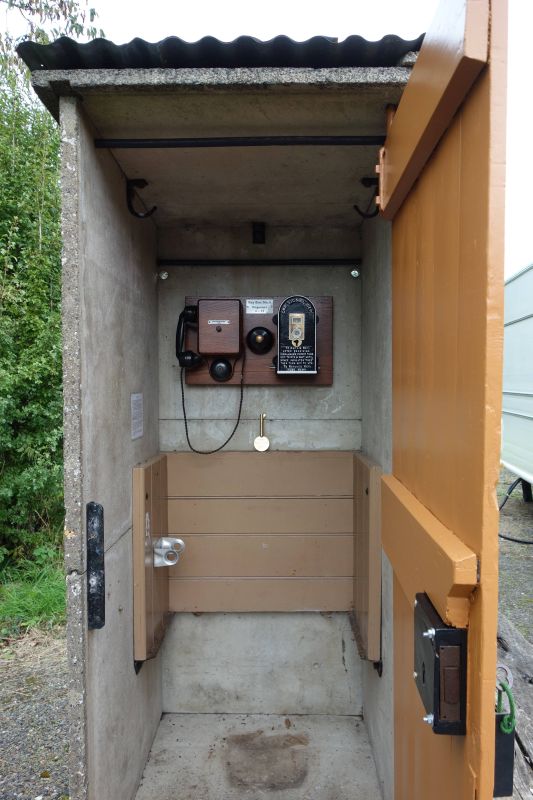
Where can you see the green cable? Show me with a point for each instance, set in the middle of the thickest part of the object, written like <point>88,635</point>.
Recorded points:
<point>508,723</point>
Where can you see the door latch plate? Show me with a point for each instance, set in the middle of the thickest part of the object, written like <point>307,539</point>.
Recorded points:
<point>440,668</point>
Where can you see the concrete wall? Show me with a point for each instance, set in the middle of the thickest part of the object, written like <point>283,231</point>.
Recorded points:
<point>302,418</point>
<point>110,351</point>
<point>377,444</point>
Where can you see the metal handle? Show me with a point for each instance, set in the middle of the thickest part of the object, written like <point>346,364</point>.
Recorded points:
<point>262,418</point>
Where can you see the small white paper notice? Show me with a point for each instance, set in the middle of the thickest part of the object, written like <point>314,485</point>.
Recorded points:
<point>137,416</point>
<point>259,305</point>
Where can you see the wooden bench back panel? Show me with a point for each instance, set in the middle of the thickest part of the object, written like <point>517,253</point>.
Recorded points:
<point>263,531</point>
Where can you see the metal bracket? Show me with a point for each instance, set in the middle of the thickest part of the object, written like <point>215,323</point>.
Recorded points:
<point>167,551</point>
<point>131,185</point>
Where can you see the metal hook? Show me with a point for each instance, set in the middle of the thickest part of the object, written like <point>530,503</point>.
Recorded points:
<point>131,185</point>
<point>365,215</point>
<point>367,183</point>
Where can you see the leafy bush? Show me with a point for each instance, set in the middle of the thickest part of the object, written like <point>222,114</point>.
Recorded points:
<point>31,499</point>
<point>31,481</point>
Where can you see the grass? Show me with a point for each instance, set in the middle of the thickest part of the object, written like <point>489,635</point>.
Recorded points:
<point>32,594</point>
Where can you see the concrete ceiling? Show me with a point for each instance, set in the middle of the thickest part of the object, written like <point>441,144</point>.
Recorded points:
<point>278,185</point>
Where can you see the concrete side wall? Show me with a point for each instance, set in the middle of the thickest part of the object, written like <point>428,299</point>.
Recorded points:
<point>377,444</point>
<point>110,335</point>
<point>298,418</point>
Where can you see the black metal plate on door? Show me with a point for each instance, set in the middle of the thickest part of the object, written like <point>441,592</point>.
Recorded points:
<point>440,668</point>
<point>95,566</point>
<point>297,337</point>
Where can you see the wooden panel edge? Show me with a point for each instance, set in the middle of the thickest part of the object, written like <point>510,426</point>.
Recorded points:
<point>416,129</point>
<point>374,566</point>
<point>369,628</point>
<point>425,555</point>
<point>139,584</point>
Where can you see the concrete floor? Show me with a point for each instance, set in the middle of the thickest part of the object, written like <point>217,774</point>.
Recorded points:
<point>255,756</point>
<point>267,663</point>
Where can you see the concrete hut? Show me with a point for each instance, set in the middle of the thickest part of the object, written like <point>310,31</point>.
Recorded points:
<point>245,624</point>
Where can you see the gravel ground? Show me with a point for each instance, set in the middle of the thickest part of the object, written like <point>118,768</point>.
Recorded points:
<point>34,677</point>
<point>33,718</point>
<point>516,560</point>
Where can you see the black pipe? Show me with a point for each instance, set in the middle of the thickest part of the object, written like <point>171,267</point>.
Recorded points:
<point>240,141</point>
<point>259,262</point>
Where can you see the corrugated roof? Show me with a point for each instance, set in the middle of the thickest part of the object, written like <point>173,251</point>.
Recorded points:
<point>174,53</point>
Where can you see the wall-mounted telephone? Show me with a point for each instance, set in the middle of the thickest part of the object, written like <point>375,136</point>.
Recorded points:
<point>277,341</point>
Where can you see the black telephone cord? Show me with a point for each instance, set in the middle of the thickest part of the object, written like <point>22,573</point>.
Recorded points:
<point>507,495</point>
<point>230,437</point>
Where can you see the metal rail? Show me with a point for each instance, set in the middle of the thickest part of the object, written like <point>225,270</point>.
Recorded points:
<point>241,141</point>
<point>259,262</point>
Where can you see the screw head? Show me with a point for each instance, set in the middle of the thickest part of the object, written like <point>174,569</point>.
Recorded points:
<point>428,719</point>
<point>415,675</point>
<point>355,273</point>
<point>163,275</point>
<point>429,634</point>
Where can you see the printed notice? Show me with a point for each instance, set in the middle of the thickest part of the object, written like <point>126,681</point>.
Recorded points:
<point>260,305</point>
<point>137,416</point>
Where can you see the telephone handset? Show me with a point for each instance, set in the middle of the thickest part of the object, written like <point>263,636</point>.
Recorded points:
<point>187,358</point>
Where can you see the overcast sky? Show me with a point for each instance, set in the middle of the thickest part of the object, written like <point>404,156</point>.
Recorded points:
<point>122,20</point>
<point>300,19</point>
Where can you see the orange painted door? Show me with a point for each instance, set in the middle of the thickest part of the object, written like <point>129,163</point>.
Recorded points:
<point>442,185</point>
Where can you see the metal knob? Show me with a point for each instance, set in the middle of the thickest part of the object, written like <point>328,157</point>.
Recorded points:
<point>429,634</point>
<point>428,719</point>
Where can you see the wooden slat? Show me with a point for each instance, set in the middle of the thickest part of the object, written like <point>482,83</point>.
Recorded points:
<point>454,52</point>
<point>367,555</point>
<point>261,594</point>
<point>253,515</point>
<point>274,474</point>
<point>427,557</point>
<point>266,556</point>
<point>142,590</point>
<point>159,528</point>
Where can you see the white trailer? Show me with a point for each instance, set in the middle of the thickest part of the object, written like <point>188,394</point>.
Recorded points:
<point>517,411</point>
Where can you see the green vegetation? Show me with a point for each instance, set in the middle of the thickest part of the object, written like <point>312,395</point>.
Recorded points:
<point>31,457</point>
<point>31,502</point>
<point>32,593</point>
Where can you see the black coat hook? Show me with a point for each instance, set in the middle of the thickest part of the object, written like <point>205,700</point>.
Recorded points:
<point>131,185</point>
<point>366,215</point>
<point>367,183</point>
